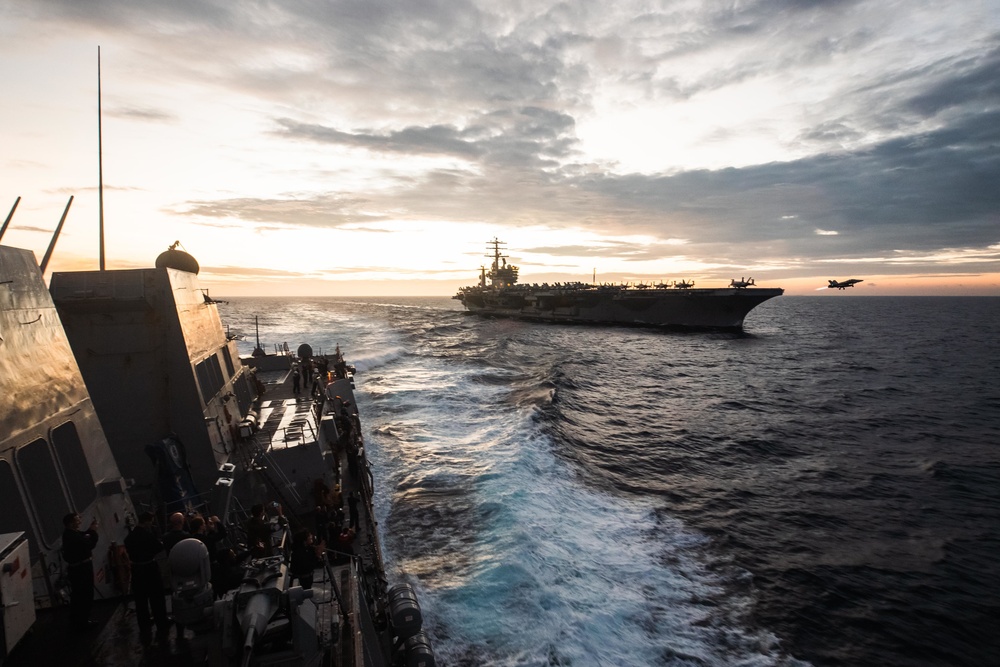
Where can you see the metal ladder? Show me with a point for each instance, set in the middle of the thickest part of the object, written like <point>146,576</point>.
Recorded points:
<point>273,475</point>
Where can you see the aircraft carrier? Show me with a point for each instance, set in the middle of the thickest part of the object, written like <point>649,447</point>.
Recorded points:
<point>675,305</point>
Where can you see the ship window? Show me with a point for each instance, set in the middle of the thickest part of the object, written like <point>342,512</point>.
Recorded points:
<point>38,472</point>
<point>201,370</point>
<point>216,369</point>
<point>209,377</point>
<point>228,358</point>
<point>14,517</point>
<point>69,449</point>
<point>244,392</point>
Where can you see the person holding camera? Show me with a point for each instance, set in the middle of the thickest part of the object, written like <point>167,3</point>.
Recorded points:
<point>77,546</point>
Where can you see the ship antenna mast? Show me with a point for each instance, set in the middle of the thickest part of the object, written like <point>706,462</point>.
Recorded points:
<point>495,268</point>
<point>9,216</point>
<point>100,165</point>
<point>496,243</point>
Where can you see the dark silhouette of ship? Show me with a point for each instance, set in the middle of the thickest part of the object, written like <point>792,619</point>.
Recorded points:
<point>675,305</point>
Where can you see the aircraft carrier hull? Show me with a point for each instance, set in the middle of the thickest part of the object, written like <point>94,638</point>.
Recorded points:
<point>674,308</point>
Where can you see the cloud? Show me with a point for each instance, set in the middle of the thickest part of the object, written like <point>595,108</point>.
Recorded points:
<point>140,113</point>
<point>424,271</point>
<point>920,193</point>
<point>323,210</point>
<point>525,137</point>
<point>251,272</point>
<point>886,117</point>
<point>33,229</point>
<point>435,140</point>
<point>960,82</point>
<point>629,251</point>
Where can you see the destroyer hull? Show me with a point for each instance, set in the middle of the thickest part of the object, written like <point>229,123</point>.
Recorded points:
<point>690,308</point>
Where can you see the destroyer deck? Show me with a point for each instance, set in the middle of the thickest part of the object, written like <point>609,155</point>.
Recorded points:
<point>287,420</point>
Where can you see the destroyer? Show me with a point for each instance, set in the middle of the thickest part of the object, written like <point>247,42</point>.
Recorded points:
<point>679,305</point>
<point>107,367</point>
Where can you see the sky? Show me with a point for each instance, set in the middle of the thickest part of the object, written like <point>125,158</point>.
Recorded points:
<point>374,147</point>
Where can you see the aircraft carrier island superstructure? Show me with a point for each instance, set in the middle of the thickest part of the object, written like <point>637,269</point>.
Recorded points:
<point>676,305</point>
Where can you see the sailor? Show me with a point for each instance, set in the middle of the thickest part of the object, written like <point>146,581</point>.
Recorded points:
<point>337,503</point>
<point>259,529</point>
<point>352,508</point>
<point>143,548</point>
<point>210,532</point>
<point>229,573</point>
<point>305,558</point>
<point>322,519</point>
<point>347,420</point>
<point>321,492</point>
<point>176,531</point>
<point>215,536</point>
<point>77,546</point>
<point>345,548</point>
<point>295,381</point>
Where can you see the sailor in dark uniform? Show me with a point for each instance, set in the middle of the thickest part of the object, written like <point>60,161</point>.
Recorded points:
<point>352,506</point>
<point>77,546</point>
<point>143,547</point>
<point>176,531</point>
<point>305,557</point>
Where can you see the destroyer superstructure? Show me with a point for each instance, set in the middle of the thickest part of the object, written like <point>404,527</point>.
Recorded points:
<point>678,305</point>
<point>164,378</point>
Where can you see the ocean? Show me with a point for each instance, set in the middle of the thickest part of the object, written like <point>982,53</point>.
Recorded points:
<point>822,489</point>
